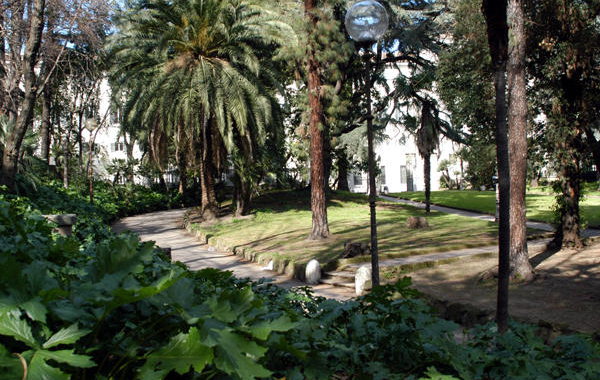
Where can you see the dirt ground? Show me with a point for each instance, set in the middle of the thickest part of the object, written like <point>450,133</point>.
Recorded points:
<point>566,291</point>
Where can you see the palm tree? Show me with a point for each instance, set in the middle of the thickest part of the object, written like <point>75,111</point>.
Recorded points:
<point>205,77</point>
<point>427,143</point>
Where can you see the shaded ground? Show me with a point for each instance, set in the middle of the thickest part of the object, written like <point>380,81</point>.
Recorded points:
<point>566,290</point>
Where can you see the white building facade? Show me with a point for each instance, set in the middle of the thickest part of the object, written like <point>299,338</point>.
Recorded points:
<point>401,166</point>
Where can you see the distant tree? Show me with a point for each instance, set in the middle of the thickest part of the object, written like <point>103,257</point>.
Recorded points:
<point>465,85</point>
<point>23,23</point>
<point>40,41</point>
<point>427,138</point>
<point>206,82</point>
<point>564,48</point>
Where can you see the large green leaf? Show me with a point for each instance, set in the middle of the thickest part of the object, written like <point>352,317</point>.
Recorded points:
<point>35,310</point>
<point>67,356</point>
<point>8,305</point>
<point>38,369</point>
<point>67,335</point>
<point>262,329</point>
<point>12,325</point>
<point>183,352</point>
<point>124,296</point>
<point>229,306</point>
<point>38,278</point>
<point>122,255</point>
<point>433,374</point>
<point>236,354</point>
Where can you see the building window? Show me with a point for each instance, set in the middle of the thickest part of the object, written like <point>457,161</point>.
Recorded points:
<point>117,147</point>
<point>403,174</point>
<point>358,179</point>
<point>382,175</point>
<point>85,146</point>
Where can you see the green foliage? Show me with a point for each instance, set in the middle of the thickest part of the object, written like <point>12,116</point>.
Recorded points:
<point>111,202</point>
<point>115,309</point>
<point>521,354</point>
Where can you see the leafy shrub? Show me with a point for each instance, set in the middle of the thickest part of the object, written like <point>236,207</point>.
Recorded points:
<point>117,310</point>
<point>114,308</point>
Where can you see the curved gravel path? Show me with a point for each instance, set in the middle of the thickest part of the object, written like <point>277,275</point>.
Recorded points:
<point>165,228</point>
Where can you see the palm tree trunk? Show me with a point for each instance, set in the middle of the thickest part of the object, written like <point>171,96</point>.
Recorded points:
<point>181,158</point>
<point>207,174</point>
<point>517,130</point>
<point>427,175</point>
<point>242,195</point>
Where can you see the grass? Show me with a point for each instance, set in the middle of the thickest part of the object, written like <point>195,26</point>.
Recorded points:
<point>539,205</point>
<point>282,222</point>
<point>589,188</point>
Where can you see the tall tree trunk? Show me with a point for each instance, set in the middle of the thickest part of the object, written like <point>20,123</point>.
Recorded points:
<point>342,179</point>
<point>207,174</point>
<point>427,176</point>
<point>497,30</point>
<point>130,162</point>
<point>45,128</point>
<point>66,158</point>
<point>568,232</point>
<point>242,195</point>
<point>327,157</point>
<point>182,168</point>
<point>181,158</point>
<point>129,145</point>
<point>14,138</point>
<point>517,130</point>
<point>318,201</point>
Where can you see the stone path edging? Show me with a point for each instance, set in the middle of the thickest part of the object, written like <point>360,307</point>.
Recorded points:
<point>165,228</point>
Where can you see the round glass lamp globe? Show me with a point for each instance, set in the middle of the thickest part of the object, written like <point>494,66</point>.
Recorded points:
<point>90,124</point>
<point>366,21</point>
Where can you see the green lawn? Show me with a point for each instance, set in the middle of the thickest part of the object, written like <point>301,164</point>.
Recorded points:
<point>282,223</point>
<point>539,205</point>
<point>589,188</point>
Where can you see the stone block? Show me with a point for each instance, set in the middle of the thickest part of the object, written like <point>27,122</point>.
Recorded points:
<point>312,273</point>
<point>362,280</point>
<point>64,223</point>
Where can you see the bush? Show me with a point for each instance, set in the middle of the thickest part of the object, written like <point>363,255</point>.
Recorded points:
<point>115,308</point>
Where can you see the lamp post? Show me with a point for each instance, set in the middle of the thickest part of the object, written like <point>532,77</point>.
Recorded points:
<point>366,22</point>
<point>91,125</point>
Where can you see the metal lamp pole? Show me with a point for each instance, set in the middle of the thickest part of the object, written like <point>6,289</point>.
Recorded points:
<point>91,125</point>
<point>366,22</point>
